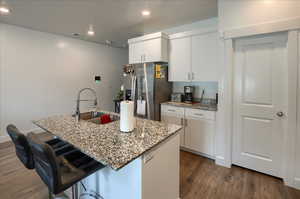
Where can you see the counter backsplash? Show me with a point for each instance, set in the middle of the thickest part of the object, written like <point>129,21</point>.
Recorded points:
<point>211,88</point>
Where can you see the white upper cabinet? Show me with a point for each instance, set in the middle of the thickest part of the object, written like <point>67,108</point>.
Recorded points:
<point>148,48</point>
<point>180,59</point>
<point>194,56</point>
<point>205,57</point>
<point>136,53</point>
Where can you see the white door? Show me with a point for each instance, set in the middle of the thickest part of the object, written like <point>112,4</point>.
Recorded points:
<point>180,59</point>
<point>260,72</point>
<point>205,54</point>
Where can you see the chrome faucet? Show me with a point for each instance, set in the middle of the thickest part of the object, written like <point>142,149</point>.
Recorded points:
<point>77,113</point>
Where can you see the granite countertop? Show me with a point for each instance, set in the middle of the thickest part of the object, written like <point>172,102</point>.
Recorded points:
<point>105,143</point>
<point>207,107</point>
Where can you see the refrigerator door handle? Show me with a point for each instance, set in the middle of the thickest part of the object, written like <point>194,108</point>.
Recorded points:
<point>147,92</point>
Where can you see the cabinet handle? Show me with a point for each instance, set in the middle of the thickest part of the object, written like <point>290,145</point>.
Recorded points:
<point>144,58</point>
<point>170,110</point>
<point>198,114</point>
<point>193,76</point>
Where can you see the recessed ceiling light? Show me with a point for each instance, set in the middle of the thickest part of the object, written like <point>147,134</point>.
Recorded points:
<point>91,31</point>
<point>146,12</point>
<point>4,10</point>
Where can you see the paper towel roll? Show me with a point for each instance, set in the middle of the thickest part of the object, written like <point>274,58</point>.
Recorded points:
<point>127,120</point>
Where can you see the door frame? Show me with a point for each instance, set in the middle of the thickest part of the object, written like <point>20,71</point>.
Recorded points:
<point>226,93</point>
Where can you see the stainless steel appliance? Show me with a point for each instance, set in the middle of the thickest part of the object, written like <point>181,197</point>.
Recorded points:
<point>149,87</point>
<point>176,97</point>
<point>189,94</point>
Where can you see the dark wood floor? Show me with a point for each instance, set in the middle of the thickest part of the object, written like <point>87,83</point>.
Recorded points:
<point>200,179</point>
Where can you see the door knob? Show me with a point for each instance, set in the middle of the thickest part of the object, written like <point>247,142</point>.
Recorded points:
<point>280,114</point>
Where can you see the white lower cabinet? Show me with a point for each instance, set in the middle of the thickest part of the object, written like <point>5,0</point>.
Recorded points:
<point>199,136</point>
<point>174,115</point>
<point>198,133</point>
<point>174,120</point>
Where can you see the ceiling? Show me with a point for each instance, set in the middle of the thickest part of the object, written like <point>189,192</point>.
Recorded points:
<point>114,20</point>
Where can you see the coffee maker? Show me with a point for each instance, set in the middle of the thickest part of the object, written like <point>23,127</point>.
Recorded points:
<point>188,94</point>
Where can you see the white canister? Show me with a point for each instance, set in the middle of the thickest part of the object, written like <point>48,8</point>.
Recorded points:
<point>127,120</point>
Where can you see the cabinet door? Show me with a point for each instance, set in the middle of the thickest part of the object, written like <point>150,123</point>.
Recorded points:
<point>205,57</point>
<point>152,50</point>
<point>136,50</point>
<point>179,59</point>
<point>160,171</point>
<point>199,136</point>
<point>175,120</point>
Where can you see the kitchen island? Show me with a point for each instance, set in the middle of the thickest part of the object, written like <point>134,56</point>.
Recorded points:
<point>142,164</point>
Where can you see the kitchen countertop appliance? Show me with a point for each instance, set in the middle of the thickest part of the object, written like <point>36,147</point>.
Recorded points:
<point>189,94</point>
<point>149,87</point>
<point>176,97</point>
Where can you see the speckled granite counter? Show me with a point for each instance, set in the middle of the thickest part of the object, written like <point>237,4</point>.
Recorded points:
<point>207,107</point>
<point>105,143</point>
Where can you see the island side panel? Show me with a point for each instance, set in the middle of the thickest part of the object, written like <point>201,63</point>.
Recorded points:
<point>112,184</point>
<point>154,175</point>
<point>161,171</point>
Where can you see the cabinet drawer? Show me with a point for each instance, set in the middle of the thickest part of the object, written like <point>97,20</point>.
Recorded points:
<point>172,110</point>
<point>200,114</point>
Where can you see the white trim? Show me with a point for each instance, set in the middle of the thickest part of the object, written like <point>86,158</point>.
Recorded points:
<point>193,32</point>
<point>297,183</point>
<point>148,37</point>
<point>197,153</point>
<point>1,66</point>
<point>228,104</point>
<point>220,160</point>
<point>290,135</point>
<point>264,28</point>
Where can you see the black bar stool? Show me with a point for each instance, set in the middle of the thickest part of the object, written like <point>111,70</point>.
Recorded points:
<point>61,172</point>
<point>23,150</point>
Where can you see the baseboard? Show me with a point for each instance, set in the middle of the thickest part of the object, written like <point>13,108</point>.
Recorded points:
<point>197,153</point>
<point>4,138</point>
<point>297,183</point>
<point>220,160</point>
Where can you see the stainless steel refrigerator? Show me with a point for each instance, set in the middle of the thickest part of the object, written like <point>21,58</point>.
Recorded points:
<point>147,84</point>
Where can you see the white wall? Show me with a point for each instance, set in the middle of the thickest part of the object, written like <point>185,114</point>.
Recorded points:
<point>41,73</point>
<point>239,13</point>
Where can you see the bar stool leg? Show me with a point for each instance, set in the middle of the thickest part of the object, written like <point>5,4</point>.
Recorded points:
<point>75,191</point>
<point>50,194</point>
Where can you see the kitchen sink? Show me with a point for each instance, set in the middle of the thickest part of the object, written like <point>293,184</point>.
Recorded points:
<point>95,117</point>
